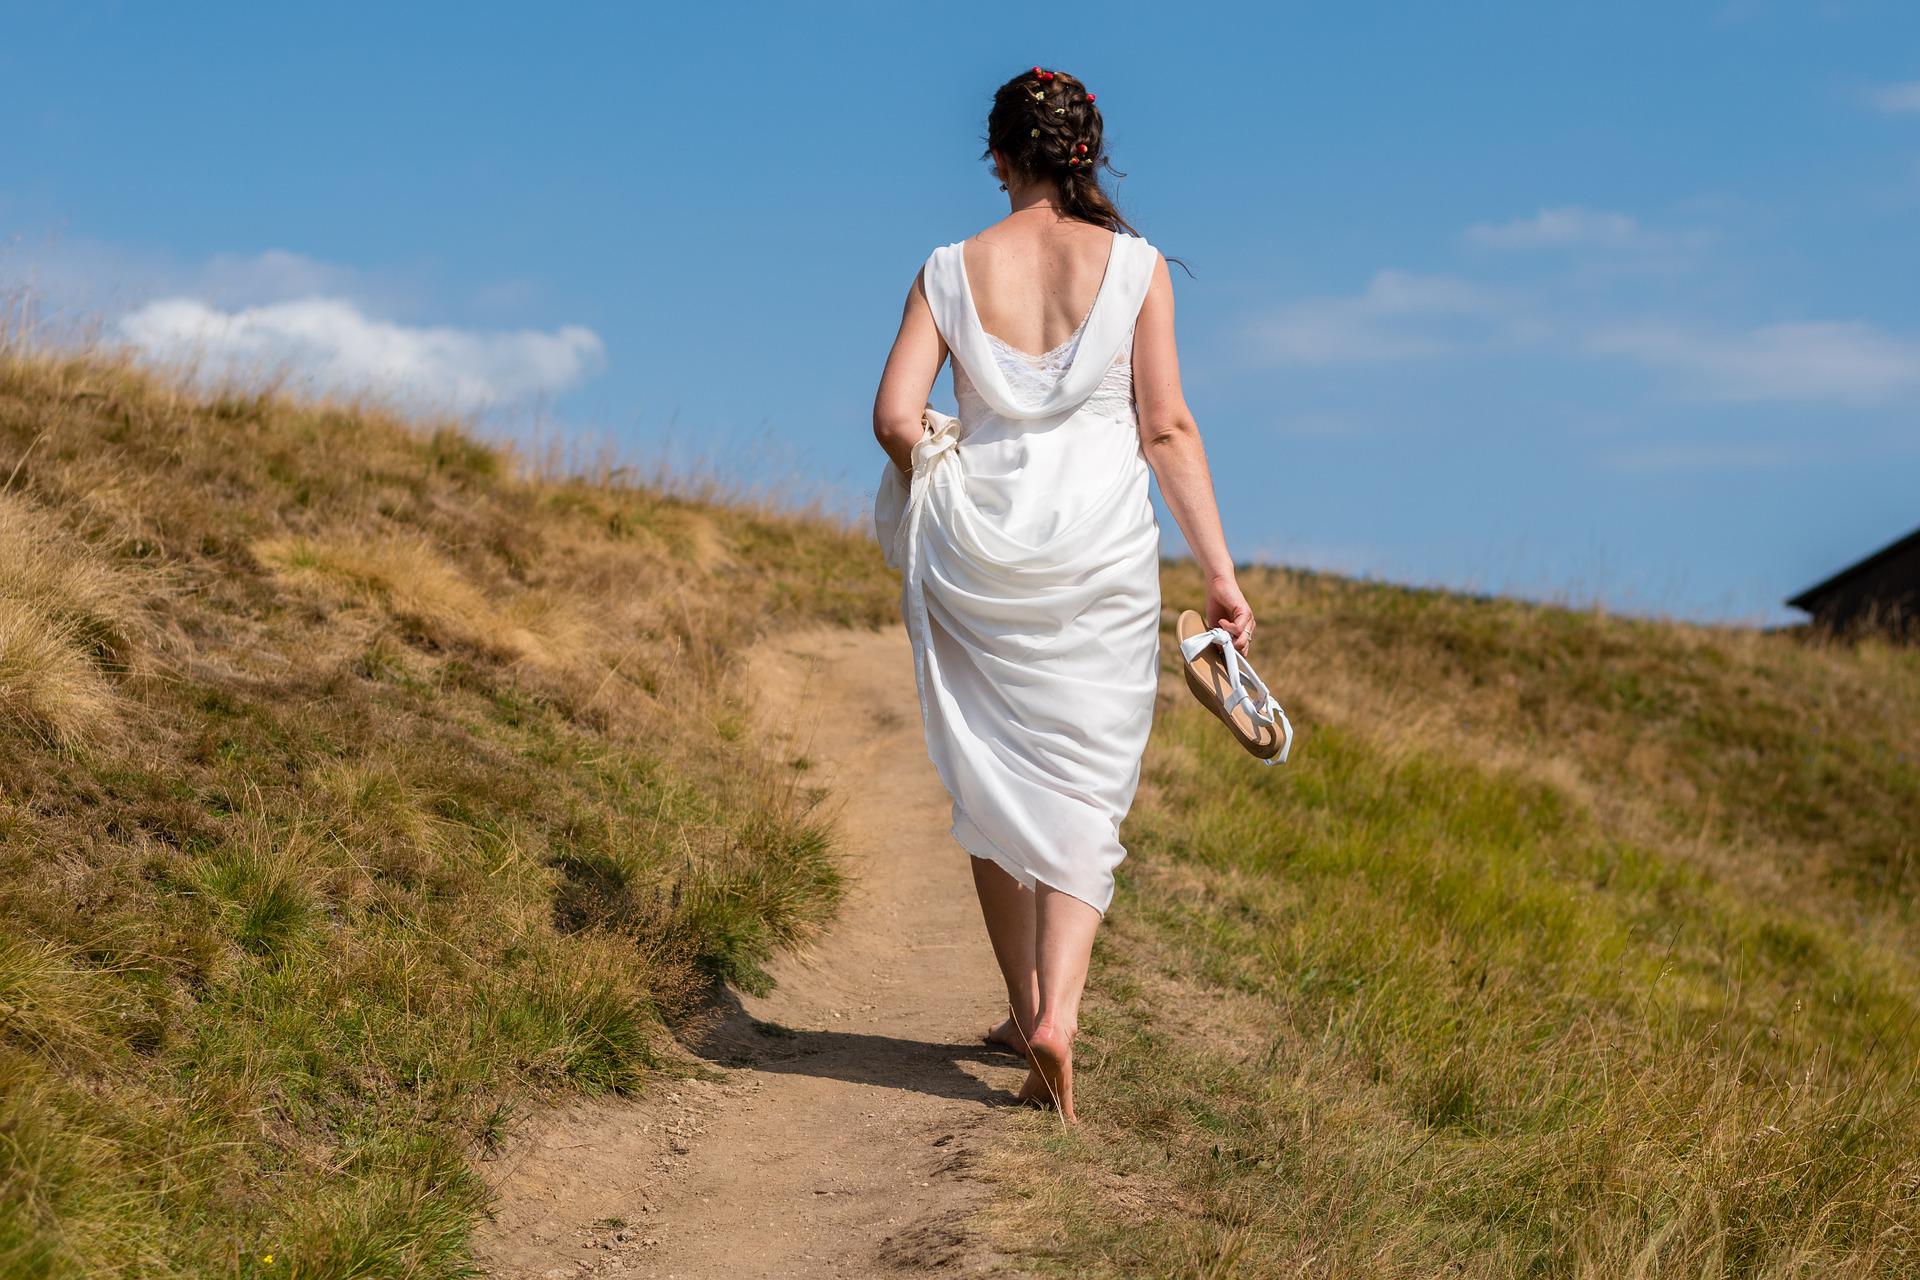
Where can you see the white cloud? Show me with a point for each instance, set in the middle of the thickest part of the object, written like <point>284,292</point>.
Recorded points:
<point>1896,99</point>
<point>83,280</point>
<point>327,327</point>
<point>1402,293</point>
<point>1398,316</point>
<point>1841,362</point>
<point>1402,317</point>
<point>330,344</point>
<point>1574,227</point>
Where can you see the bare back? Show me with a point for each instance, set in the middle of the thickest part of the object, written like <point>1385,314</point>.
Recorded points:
<point>1034,277</point>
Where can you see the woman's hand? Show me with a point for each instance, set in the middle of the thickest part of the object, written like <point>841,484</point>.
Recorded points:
<point>1228,610</point>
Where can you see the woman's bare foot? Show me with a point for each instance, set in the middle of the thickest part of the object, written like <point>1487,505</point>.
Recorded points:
<point>1007,1036</point>
<point>1050,1050</point>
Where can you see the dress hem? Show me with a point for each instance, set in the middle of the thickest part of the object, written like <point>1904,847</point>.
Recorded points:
<point>988,852</point>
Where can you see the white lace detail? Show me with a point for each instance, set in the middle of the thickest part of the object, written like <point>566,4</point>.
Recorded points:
<point>1032,377</point>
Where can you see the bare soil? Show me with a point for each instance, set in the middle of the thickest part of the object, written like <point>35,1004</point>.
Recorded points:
<point>829,1129</point>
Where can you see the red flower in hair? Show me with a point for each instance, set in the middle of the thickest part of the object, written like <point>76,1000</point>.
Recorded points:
<point>1044,75</point>
<point>1089,97</point>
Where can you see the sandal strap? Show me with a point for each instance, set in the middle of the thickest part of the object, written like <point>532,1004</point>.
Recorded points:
<point>1240,673</point>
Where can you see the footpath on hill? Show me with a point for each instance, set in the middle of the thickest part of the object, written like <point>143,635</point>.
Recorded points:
<point>832,1127</point>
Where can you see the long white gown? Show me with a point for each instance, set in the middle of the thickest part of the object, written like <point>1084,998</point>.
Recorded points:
<point>1030,564</point>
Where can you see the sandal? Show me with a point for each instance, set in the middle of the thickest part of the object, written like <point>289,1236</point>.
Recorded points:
<point>1219,677</point>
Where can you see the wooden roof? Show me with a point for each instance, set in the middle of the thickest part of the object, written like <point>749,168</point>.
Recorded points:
<point>1811,597</point>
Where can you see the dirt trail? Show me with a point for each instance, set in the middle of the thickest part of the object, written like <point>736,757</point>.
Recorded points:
<point>854,1099</point>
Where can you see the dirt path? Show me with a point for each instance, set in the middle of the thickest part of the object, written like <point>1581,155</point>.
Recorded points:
<point>854,1099</point>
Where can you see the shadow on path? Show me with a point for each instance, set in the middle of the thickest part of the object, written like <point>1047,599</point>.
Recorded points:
<point>732,1037</point>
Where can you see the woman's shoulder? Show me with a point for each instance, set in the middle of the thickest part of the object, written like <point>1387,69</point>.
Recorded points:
<point>1139,246</point>
<point>942,260</point>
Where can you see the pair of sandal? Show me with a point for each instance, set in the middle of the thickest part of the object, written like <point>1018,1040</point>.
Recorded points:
<point>1227,685</point>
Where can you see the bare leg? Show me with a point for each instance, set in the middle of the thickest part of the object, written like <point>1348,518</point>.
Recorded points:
<point>1008,909</point>
<point>1063,946</point>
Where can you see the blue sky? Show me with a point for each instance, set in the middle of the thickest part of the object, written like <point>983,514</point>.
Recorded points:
<point>1605,302</point>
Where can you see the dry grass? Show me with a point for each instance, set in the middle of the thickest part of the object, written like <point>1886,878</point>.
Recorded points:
<point>360,785</point>
<point>410,581</point>
<point>1568,945</point>
<point>65,623</point>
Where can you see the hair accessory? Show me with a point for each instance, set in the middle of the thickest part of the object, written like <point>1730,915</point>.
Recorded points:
<point>1044,75</point>
<point>1081,147</point>
<point>1089,97</point>
<point>1034,134</point>
<point>1073,162</point>
<point>1059,111</point>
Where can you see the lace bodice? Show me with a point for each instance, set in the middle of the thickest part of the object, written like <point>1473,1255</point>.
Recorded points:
<point>1031,377</point>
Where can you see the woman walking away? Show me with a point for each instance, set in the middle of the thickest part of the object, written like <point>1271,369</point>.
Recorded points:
<point>1029,547</point>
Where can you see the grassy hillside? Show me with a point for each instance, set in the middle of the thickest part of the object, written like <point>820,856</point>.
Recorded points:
<point>357,787</point>
<point>1567,945</point>
<point>361,785</point>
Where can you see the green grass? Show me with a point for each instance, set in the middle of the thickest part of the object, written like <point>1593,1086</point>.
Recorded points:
<point>361,788</point>
<point>1566,945</point>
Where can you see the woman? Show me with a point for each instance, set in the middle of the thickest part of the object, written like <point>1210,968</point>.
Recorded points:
<point>1029,547</point>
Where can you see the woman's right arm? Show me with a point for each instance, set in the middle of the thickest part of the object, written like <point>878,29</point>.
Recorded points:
<point>1170,439</point>
<point>912,365</point>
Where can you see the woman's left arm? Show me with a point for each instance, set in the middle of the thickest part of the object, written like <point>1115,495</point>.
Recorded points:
<point>907,382</point>
<point>1170,439</point>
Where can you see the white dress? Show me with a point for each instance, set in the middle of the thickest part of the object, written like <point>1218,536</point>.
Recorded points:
<point>1030,564</point>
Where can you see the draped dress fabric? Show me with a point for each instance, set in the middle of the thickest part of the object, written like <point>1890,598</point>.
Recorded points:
<point>1029,556</point>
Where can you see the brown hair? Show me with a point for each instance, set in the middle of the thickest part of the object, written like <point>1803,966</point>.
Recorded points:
<point>1046,126</point>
